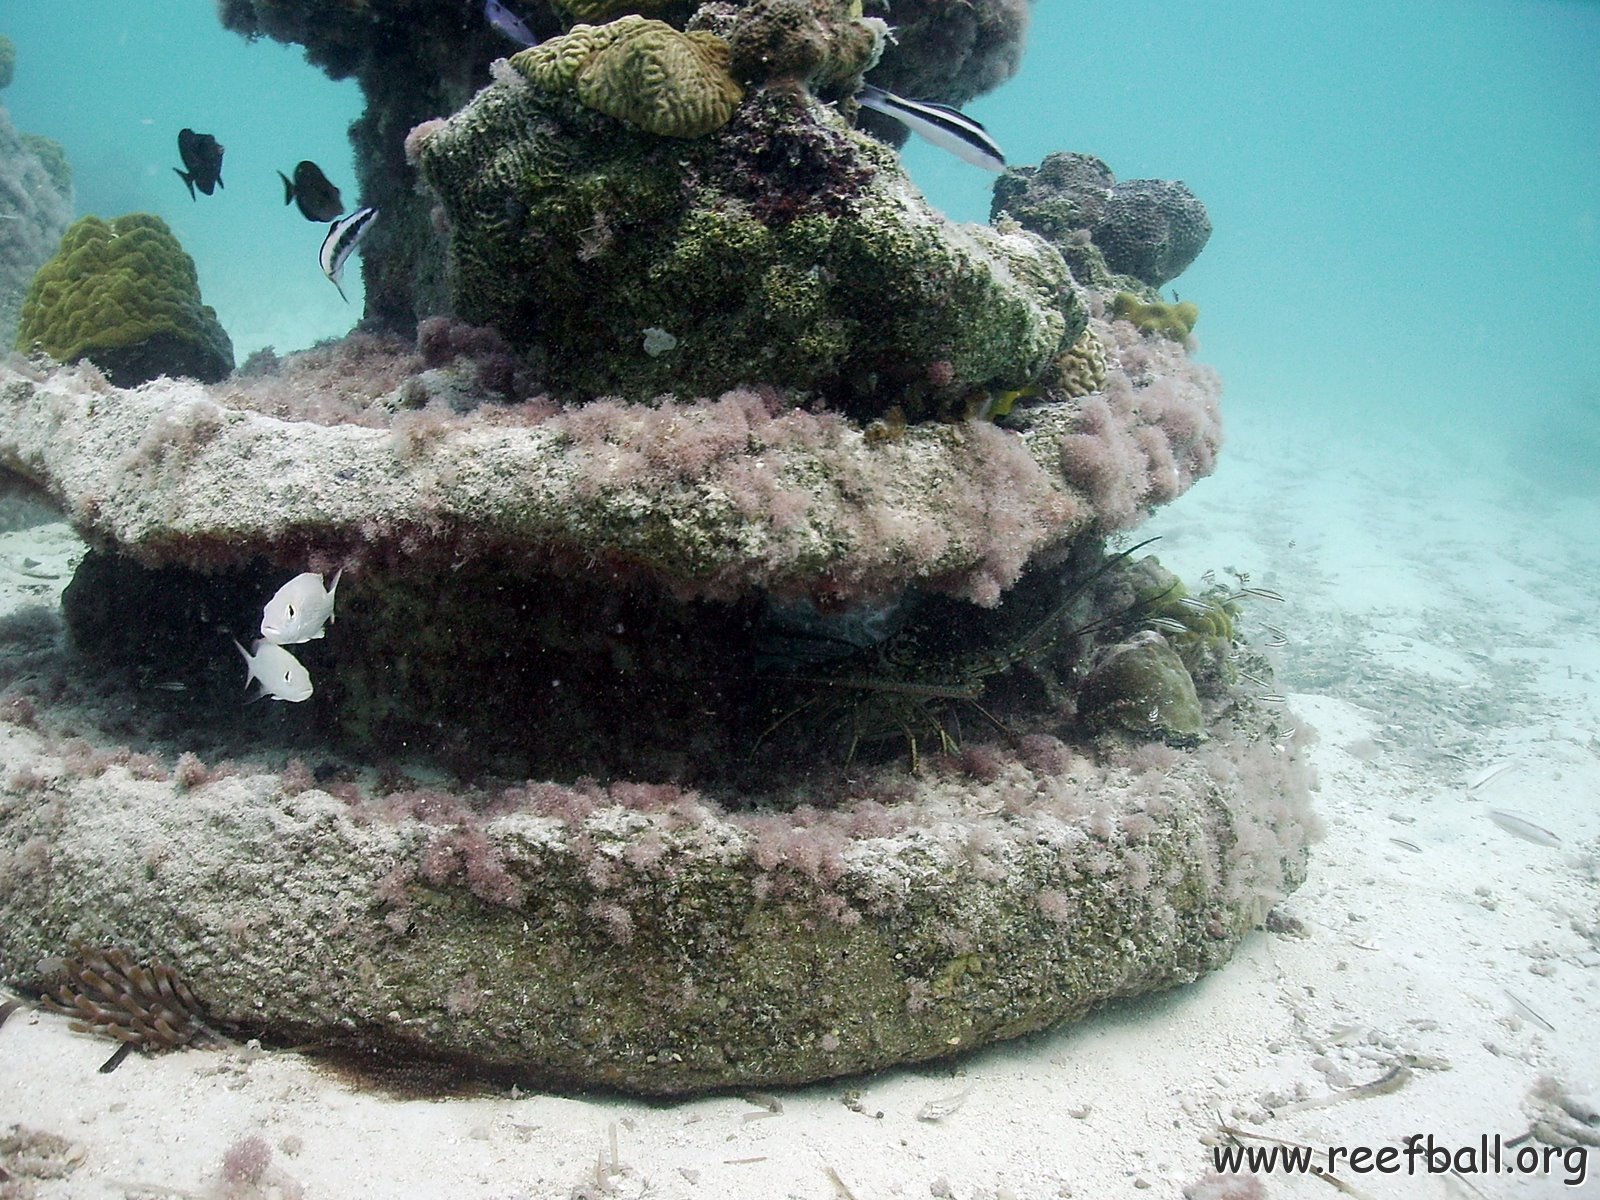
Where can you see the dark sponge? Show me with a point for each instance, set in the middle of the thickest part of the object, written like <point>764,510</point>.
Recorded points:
<point>1151,229</point>
<point>1062,195</point>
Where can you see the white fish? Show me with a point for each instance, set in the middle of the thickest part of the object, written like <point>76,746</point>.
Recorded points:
<point>1519,826</point>
<point>508,23</point>
<point>299,609</point>
<point>344,235</point>
<point>280,674</point>
<point>1488,773</point>
<point>946,127</point>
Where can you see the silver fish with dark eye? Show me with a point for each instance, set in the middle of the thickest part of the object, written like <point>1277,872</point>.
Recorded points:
<point>280,674</point>
<point>299,609</point>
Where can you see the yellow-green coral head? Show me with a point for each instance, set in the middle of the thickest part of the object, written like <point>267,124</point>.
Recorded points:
<point>1175,321</point>
<point>125,295</point>
<point>645,72</point>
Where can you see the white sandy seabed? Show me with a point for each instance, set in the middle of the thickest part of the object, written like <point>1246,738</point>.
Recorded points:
<point>1441,618</point>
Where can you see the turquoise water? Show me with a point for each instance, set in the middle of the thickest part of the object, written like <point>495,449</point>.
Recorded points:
<point>113,83</point>
<point>1405,193</point>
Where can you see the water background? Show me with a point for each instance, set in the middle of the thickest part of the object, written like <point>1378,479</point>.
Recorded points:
<point>1405,193</point>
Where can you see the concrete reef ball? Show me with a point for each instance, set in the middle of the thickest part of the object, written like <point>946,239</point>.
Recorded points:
<point>644,933</point>
<point>641,937</point>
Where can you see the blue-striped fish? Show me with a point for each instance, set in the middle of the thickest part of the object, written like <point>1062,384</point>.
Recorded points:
<point>344,235</point>
<point>946,127</point>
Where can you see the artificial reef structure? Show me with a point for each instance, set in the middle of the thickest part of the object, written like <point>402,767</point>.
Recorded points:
<point>734,680</point>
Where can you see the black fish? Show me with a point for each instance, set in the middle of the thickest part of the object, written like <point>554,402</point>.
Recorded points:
<point>318,199</point>
<point>202,154</point>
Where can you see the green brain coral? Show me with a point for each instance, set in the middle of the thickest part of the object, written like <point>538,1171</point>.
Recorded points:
<point>124,295</point>
<point>1175,321</point>
<point>645,72</point>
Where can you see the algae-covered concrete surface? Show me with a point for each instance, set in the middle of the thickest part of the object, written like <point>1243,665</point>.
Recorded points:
<point>664,949</point>
<point>785,248</point>
<point>633,933</point>
<point>169,475</point>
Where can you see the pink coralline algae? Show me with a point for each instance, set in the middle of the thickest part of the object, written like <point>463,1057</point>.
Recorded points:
<point>1153,431</point>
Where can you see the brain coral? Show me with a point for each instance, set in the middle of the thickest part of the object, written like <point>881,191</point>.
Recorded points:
<point>641,71</point>
<point>124,295</point>
<point>1081,369</point>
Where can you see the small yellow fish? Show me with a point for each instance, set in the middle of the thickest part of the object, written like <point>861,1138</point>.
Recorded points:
<point>280,674</point>
<point>299,609</point>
